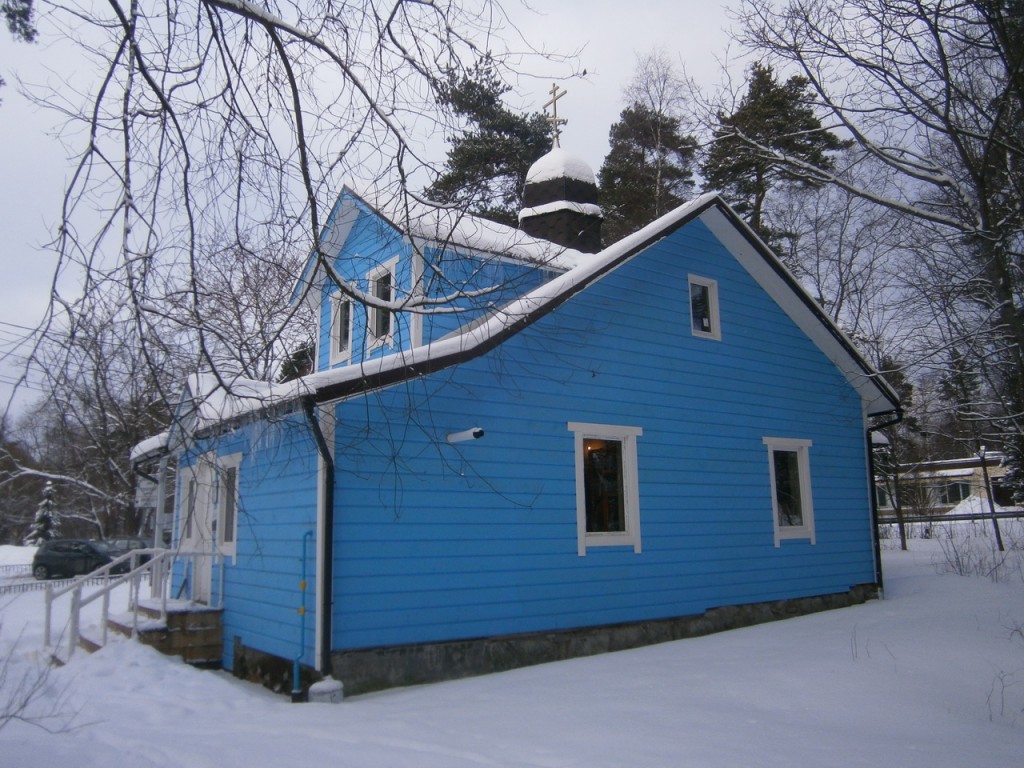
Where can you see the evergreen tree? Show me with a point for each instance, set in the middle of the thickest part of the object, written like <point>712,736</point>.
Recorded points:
<point>18,15</point>
<point>46,525</point>
<point>648,170</point>
<point>487,164</point>
<point>775,115</point>
<point>299,363</point>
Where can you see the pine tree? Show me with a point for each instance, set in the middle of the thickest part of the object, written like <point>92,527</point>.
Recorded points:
<point>776,115</point>
<point>19,17</point>
<point>487,164</point>
<point>20,23</point>
<point>299,363</point>
<point>46,525</point>
<point>648,170</point>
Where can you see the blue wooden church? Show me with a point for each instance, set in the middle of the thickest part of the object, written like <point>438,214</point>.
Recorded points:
<point>521,445</point>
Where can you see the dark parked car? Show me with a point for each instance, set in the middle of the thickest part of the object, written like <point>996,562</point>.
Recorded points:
<point>70,557</point>
<point>124,545</point>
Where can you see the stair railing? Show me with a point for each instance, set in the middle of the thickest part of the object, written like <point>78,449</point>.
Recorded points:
<point>158,568</point>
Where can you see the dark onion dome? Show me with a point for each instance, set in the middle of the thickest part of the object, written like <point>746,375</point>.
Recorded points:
<point>560,202</point>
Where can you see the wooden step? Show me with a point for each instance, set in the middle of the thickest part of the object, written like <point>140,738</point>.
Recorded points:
<point>87,644</point>
<point>194,633</point>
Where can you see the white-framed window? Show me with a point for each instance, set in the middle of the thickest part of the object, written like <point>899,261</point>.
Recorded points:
<point>607,486</point>
<point>209,507</point>
<point>188,514</point>
<point>226,503</point>
<point>704,307</point>
<point>341,329</point>
<point>789,469</point>
<point>380,323</point>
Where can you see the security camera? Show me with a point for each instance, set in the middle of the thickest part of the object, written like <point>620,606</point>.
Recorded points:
<point>475,433</point>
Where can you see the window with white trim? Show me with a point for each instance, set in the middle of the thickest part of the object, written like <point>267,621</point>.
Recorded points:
<point>226,501</point>
<point>379,321</point>
<point>189,512</point>
<point>607,488</point>
<point>704,307</point>
<point>789,468</point>
<point>341,329</point>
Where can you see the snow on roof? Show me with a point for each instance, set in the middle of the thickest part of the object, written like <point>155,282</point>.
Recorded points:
<point>150,447</point>
<point>212,404</point>
<point>588,209</point>
<point>936,473</point>
<point>208,401</point>
<point>445,225</point>
<point>559,164</point>
<point>214,400</point>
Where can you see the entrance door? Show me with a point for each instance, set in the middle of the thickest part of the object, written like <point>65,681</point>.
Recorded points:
<point>199,527</point>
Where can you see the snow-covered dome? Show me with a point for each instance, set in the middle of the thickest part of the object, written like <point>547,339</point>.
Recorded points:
<point>560,202</point>
<point>558,164</point>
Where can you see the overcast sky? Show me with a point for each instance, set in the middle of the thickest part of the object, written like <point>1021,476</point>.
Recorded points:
<point>608,34</point>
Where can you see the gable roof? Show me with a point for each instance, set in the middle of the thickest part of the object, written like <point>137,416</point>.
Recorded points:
<point>211,404</point>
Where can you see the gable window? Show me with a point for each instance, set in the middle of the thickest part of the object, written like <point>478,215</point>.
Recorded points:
<point>341,329</point>
<point>607,490</point>
<point>704,307</point>
<point>379,321</point>
<point>789,469</point>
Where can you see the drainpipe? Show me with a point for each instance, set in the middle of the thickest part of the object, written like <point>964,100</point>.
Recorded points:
<point>874,496</point>
<point>296,676</point>
<point>327,543</point>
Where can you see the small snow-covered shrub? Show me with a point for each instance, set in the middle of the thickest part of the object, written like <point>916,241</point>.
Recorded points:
<point>889,533</point>
<point>970,549</point>
<point>25,693</point>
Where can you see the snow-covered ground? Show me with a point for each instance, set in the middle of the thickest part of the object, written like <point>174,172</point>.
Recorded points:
<point>931,676</point>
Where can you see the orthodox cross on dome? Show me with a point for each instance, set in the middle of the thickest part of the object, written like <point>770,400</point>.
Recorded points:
<point>553,119</point>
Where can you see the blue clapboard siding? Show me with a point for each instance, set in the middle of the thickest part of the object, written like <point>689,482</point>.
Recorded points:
<point>437,542</point>
<point>277,504</point>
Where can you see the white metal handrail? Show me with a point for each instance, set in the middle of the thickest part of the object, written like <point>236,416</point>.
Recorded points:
<point>158,568</point>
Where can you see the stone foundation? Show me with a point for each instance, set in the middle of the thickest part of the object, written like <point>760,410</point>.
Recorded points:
<point>272,672</point>
<point>374,669</point>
